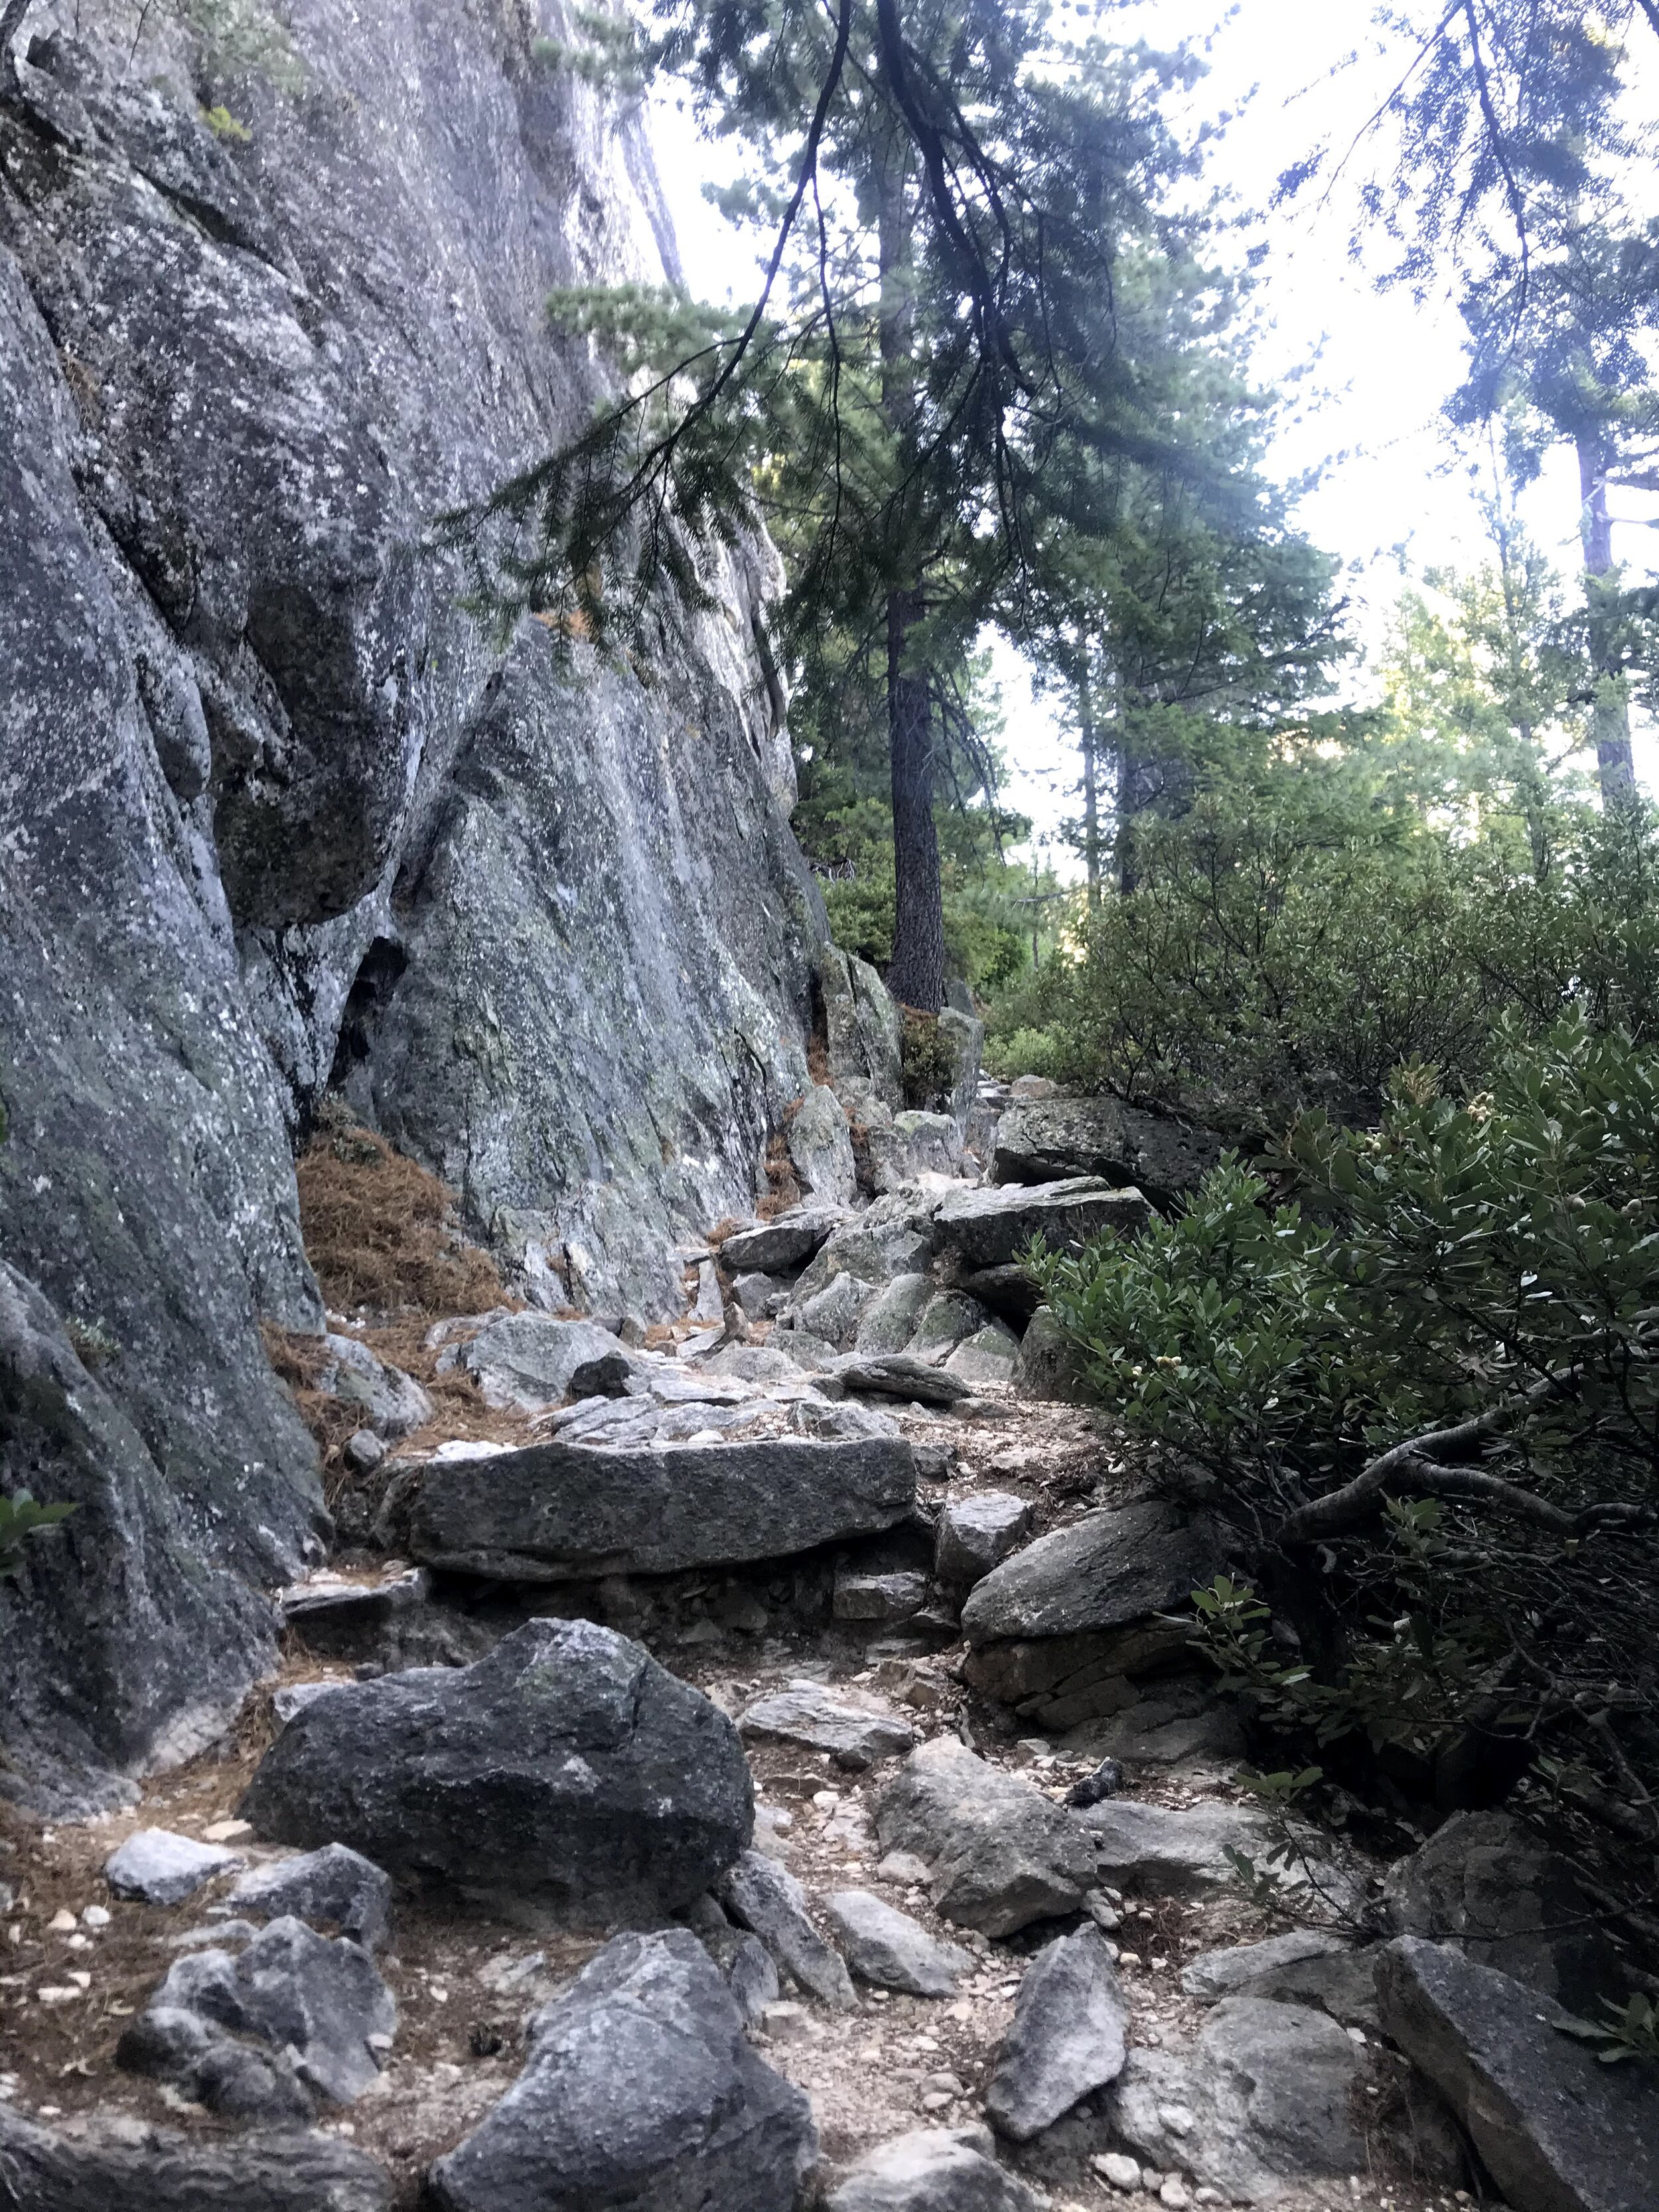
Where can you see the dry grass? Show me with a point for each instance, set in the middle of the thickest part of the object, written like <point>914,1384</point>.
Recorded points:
<point>380,1231</point>
<point>784,1191</point>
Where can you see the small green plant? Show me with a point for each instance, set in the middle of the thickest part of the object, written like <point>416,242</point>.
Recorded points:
<point>225,127</point>
<point>1632,2031</point>
<point>20,1519</point>
<point>96,1347</point>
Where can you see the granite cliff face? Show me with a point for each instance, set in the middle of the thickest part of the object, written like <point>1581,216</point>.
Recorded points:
<point>274,812</point>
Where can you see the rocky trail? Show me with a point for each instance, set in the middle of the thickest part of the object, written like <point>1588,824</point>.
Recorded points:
<point>759,1765</point>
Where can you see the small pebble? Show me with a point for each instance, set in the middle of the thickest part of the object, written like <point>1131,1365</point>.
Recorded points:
<point>61,1921</point>
<point>1117,2168</point>
<point>95,1916</point>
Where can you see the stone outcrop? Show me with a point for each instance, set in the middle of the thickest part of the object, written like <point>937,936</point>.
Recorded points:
<point>640,2091</point>
<point>557,1512</point>
<point>124,2167</point>
<point>567,1774</point>
<point>1050,1139</point>
<point>277,812</point>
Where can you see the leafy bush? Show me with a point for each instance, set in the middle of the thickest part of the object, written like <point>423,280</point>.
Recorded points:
<point>1280,956</point>
<point>928,1060</point>
<point>1425,1399</point>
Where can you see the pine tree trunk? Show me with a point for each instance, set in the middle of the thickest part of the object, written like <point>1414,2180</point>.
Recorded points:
<point>1615,767</point>
<point>1086,716</point>
<point>915,975</point>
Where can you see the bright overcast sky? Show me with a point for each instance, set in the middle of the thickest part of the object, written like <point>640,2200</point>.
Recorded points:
<point>1393,496</point>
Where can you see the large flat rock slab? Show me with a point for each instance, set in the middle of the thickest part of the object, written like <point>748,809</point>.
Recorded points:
<point>1044,1140</point>
<point>123,2166</point>
<point>1558,2131</point>
<point>989,1228</point>
<point>1112,1567</point>
<point>567,1774</point>
<point>557,1512</point>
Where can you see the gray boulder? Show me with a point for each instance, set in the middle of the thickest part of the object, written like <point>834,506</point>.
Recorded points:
<point>900,1375</point>
<point>158,1867</point>
<point>392,1402</point>
<point>951,1317</point>
<point>527,1360</point>
<point>895,1237</point>
<point>1047,1366</point>
<point>348,1621</point>
<point>1108,1570</point>
<point>1262,2101</point>
<point>821,1147</point>
<point>766,1898</point>
<point>915,1144</point>
<point>887,1948</point>
<point>776,1246</point>
<point>934,2170</point>
<point>1000,1855</point>
<point>976,1534</point>
<point>558,1512</point>
<point>874,1595</point>
<point>334,1885</point>
<point>987,1355</point>
<point>1055,1629</point>
<point>1174,1850</point>
<point>833,1312</point>
<point>123,2165</point>
<point>889,1322</point>
<point>1308,1966</point>
<point>1483,1882</point>
<point>1049,1140</point>
<point>807,1713</point>
<point>1067,2038</point>
<point>640,2093</point>
<point>990,1228</point>
<point>318,2011</point>
<point>863,1029</point>
<point>1558,2130</point>
<point>566,1773</point>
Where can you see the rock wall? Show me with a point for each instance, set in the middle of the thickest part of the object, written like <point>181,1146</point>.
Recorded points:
<point>274,809</point>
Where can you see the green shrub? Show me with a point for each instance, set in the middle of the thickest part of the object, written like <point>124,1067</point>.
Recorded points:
<point>929,1061</point>
<point>1425,1400</point>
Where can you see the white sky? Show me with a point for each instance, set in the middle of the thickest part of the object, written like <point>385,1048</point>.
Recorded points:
<point>1395,497</point>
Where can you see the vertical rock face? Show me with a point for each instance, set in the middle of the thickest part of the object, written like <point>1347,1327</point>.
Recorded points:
<point>275,811</point>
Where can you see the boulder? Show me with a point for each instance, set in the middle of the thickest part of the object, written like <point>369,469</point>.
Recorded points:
<point>1108,1570</point>
<point>393,1403</point>
<point>889,1322</point>
<point>1307,1967</point>
<point>895,1237</point>
<point>567,1774</point>
<point>1067,2038</point>
<point>863,1032</point>
<point>934,2170</point>
<point>990,1228</point>
<point>1262,2101</point>
<point>807,1713</point>
<point>559,1512</point>
<point>886,1947</point>
<point>527,1360</point>
<point>766,1898</point>
<point>640,2093</point>
<point>338,1620</point>
<point>158,1867</point>
<point>1558,2130</point>
<point>820,1146</point>
<point>914,1146</point>
<point>833,1313</point>
<point>1485,1882</point>
<point>122,2165</point>
<point>335,1885</point>
<point>305,2010</point>
<point>898,1375</point>
<point>976,1534</point>
<point>987,1355</point>
<point>1052,1139</point>
<point>1167,1850</point>
<point>951,1316</point>
<point>1047,1366</point>
<point>1000,1855</point>
<point>761,1297</point>
<point>861,1593</point>
<point>776,1246</point>
<point>961,1030</point>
